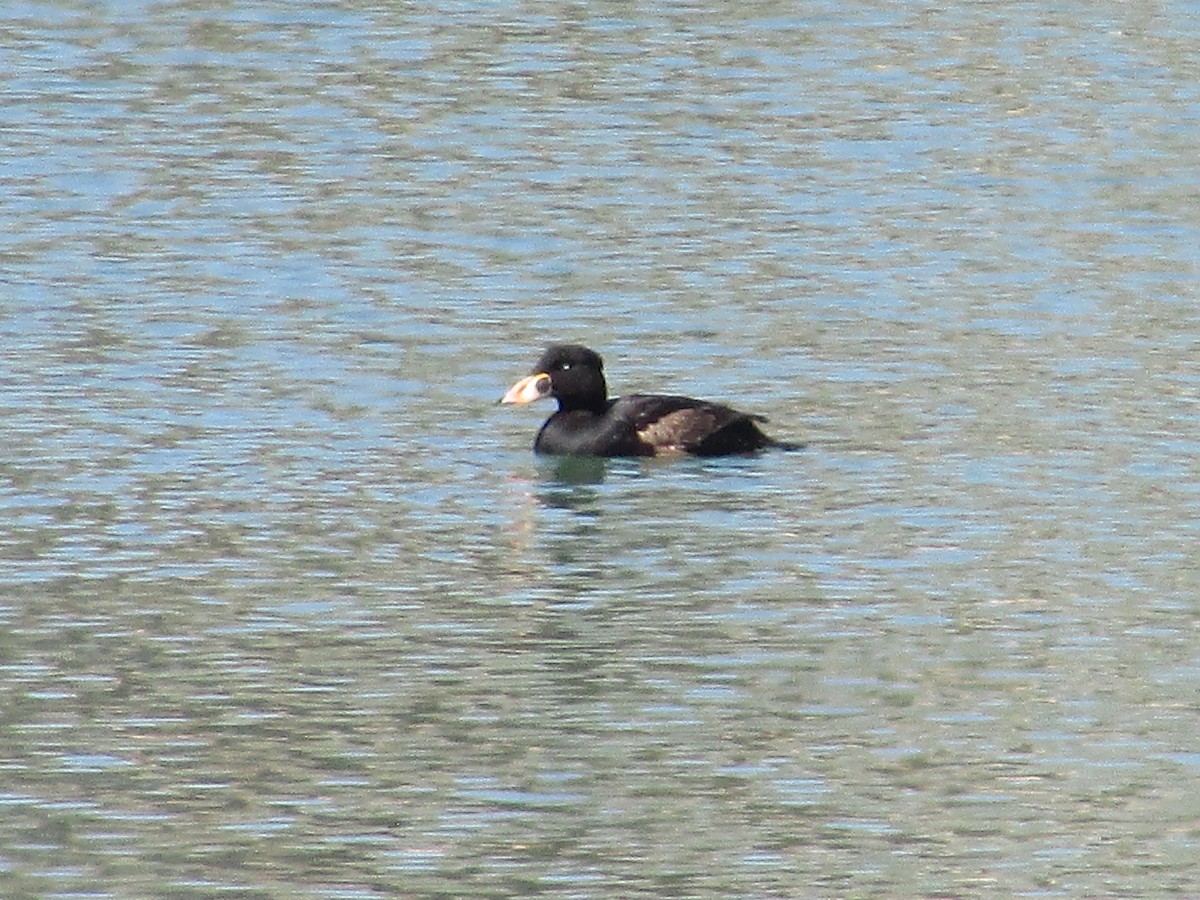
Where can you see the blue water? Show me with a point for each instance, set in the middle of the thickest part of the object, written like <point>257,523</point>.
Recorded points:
<point>289,606</point>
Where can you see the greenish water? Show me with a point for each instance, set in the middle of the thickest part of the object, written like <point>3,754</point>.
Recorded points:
<point>288,607</point>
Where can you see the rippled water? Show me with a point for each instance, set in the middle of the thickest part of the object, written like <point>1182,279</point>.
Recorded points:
<point>290,608</point>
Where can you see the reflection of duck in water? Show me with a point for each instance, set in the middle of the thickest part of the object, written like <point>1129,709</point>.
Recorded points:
<point>588,423</point>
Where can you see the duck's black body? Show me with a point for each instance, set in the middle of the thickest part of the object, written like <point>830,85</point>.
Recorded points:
<point>589,424</point>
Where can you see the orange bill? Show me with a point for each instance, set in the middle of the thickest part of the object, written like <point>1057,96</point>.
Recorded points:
<point>530,388</point>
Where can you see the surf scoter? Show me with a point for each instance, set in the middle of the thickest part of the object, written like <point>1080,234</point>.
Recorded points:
<point>588,423</point>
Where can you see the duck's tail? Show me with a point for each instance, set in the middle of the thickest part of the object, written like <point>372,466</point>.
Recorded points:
<point>786,446</point>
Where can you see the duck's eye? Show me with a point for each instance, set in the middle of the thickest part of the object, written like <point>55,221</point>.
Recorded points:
<point>564,366</point>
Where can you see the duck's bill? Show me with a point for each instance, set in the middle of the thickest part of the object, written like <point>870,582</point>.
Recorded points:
<point>532,387</point>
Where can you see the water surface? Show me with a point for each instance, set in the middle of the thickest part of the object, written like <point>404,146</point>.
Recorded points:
<point>290,608</point>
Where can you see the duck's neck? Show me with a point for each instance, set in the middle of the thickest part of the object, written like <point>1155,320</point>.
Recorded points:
<point>595,403</point>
